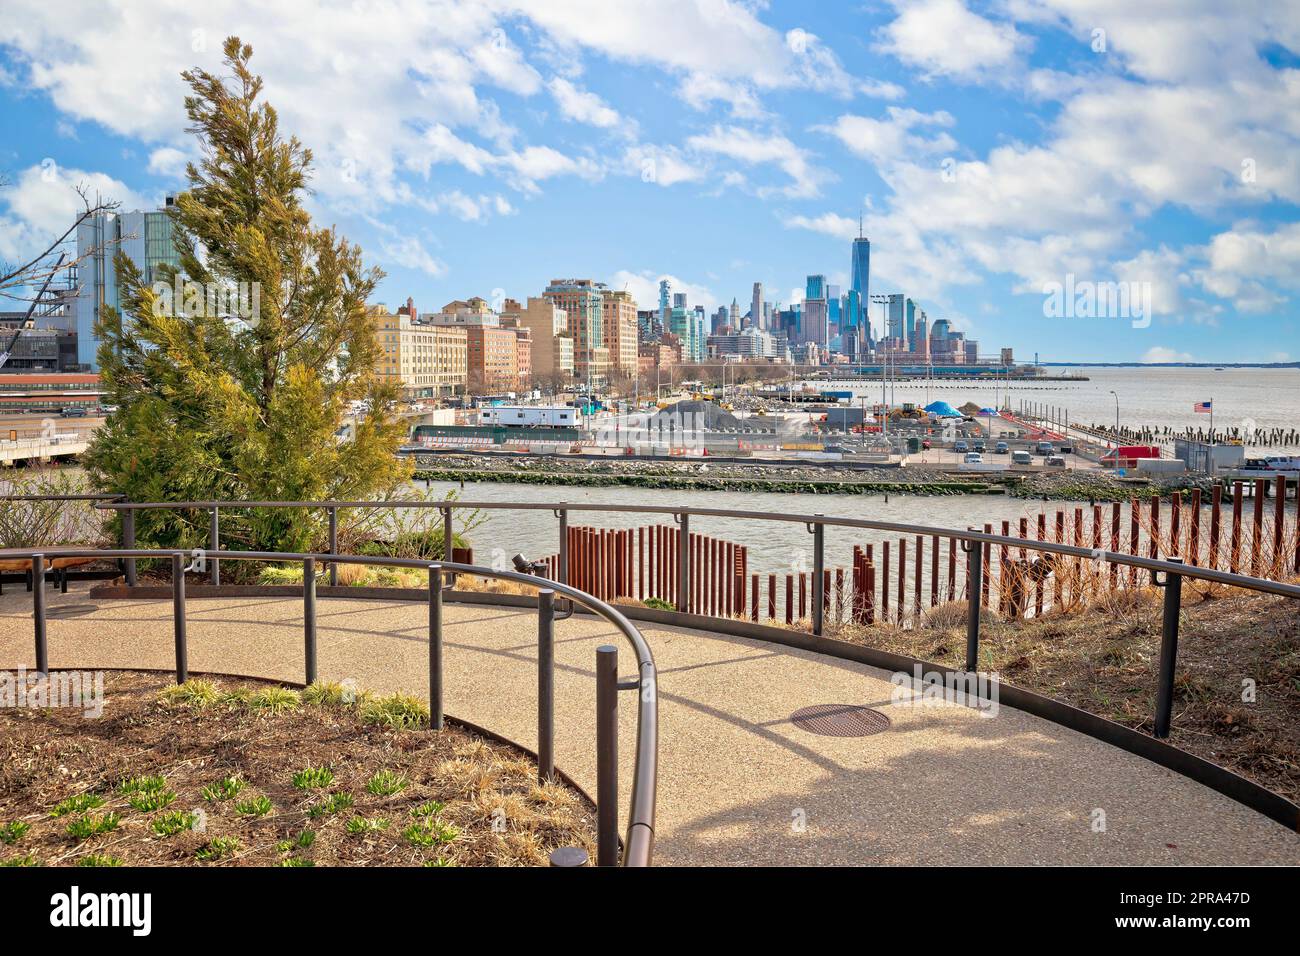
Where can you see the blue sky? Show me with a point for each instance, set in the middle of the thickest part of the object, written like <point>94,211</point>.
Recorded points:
<point>482,148</point>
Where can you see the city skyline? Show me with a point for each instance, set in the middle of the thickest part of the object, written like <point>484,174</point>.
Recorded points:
<point>985,155</point>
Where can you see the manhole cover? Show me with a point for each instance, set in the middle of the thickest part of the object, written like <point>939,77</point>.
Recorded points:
<point>70,610</point>
<point>840,720</point>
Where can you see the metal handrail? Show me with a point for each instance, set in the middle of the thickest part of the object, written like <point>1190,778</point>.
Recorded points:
<point>639,841</point>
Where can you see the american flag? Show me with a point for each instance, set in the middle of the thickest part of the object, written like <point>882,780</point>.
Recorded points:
<point>1202,407</point>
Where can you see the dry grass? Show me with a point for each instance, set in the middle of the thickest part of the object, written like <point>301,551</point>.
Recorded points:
<point>1105,659</point>
<point>228,753</point>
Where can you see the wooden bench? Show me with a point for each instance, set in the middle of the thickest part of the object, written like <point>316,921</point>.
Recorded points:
<point>59,566</point>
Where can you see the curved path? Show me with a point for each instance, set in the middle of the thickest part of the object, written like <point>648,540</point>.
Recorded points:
<point>738,783</point>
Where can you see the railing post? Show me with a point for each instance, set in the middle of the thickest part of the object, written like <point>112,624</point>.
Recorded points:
<point>684,563</point>
<point>435,646</point>
<point>607,755</point>
<point>178,617</point>
<point>564,545</point>
<point>545,685</point>
<point>128,543</point>
<point>974,588</point>
<point>38,613</point>
<point>334,545</point>
<point>214,545</point>
<point>819,583</point>
<point>1173,604</point>
<point>448,542</point>
<point>309,617</point>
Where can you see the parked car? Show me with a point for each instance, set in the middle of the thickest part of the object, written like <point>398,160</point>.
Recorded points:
<point>978,445</point>
<point>73,413</point>
<point>960,447</point>
<point>1045,448</point>
<point>1067,449</point>
<point>1021,458</point>
<point>1054,461</point>
<point>1283,462</point>
<point>1256,464</point>
<point>1001,448</point>
<point>974,458</point>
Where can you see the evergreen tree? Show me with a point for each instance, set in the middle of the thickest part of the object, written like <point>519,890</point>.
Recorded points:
<point>233,374</point>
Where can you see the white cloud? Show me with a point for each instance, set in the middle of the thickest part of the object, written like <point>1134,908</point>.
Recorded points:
<point>409,251</point>
<point>885,140</point>
<point>1162,353</point>
<point>751,147</point>
<point>943,37</point>
<point>582,106</point>
<point>168,162</point>
<point>644,287</point>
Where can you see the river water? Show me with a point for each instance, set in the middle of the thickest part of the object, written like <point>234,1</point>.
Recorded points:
<point>1154,397</point>
<point>773,546</point>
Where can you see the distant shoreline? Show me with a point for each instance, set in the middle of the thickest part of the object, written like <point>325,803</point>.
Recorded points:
<point>1169,364</point>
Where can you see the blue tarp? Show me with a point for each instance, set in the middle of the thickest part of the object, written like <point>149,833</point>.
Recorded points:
<point>943,410</point>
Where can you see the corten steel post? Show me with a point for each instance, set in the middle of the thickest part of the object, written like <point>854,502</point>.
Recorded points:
<point>435,646</point>
<point>684,563</point>
<point>178,617</point>
<point>334,545</point>
<point>309,617</point>
<point>545,685</point>
<point>607,755</point>
<point>128,543</point>
<point>819,564</point>
<point>975,573</point>
<point>1173,603</point>
<point>38,613</point>
<point>563,570</point>
<point>448,542</point>
<point>214,545</point>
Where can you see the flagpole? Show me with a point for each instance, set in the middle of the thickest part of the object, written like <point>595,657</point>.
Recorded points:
<point>1211,419</point>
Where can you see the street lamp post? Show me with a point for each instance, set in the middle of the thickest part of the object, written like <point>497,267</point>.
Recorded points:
<point>1116,394</point>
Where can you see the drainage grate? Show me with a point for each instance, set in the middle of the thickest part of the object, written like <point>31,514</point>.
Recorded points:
<point>840,720</point>
<point>70,610</point>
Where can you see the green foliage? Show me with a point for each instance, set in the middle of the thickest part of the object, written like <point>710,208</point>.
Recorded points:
<point>328,694</point>
<point>385,783</point>
<point>658,603</point>
<point>192,693</point>
<point>296,861</point>
<point>27,859</point>
<point>226,788</point>
<point>173,822</point>
<point>428,809</point>
<point>359,825</point>
<point>396,710</point>
<point>332,804</point>
<point>275,700</point>
<point>45,519</point>
<point>217,848</point>
<point>88,825</point>
<point>78,804</point>
<point>13,831</point>
<point>254,806</point>
<point>133,785</point>
<point>99,859</point>
<point>313,777</point>
<point>149,801</point>
<point>241,399</point>
<point>428,832</point>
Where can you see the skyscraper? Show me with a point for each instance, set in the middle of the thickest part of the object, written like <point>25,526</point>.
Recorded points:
<point>859,287</point>
<point>756,307</point>
<point>816,316</point>
<point>663,304</point>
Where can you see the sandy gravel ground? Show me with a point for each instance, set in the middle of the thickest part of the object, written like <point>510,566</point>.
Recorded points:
<point>738,783</point>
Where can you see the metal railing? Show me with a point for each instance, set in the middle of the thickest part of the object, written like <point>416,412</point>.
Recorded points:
<point>1168,574</point>
<point>638,845</point>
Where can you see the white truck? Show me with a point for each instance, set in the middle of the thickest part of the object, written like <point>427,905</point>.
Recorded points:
<point>529,416</point>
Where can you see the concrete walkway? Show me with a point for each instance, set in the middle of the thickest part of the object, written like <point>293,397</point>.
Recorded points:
<point>738,782</point>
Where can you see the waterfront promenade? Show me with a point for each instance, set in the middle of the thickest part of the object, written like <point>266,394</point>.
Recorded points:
<point>739,783</point>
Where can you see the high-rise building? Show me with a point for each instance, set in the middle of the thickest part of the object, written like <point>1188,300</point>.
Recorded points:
<point>663,304</point>
<point>894,317</point>
<point>145,237</point>
<point>756,308</point>
<point>860,281</point>
<point>492,352</point>
<point>618,319</point>
<point>423,360</point>
<point>816,316</point>
<point>583,303</point>
<point>548,328</point>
